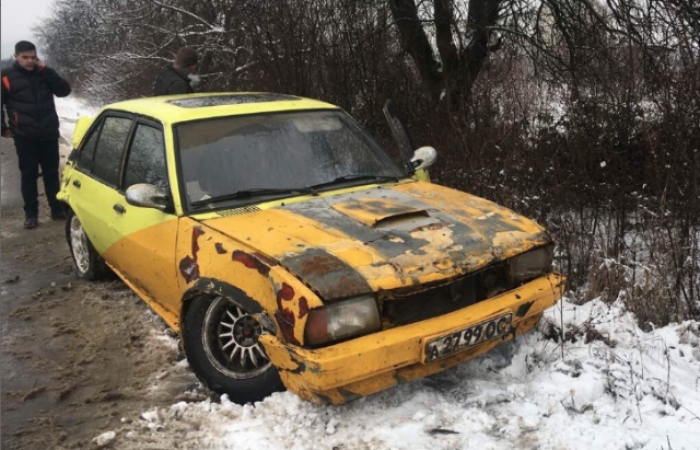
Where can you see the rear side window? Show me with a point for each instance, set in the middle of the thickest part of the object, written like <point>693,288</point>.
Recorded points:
<point>87,153</point>
<point>146,163</point>
<point>110,149</point>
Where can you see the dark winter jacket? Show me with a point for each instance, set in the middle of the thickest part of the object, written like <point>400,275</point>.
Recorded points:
<point>28,98</point>
<point>172,82</point>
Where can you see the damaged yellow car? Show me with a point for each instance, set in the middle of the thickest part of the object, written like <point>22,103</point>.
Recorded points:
<point>289,250</point>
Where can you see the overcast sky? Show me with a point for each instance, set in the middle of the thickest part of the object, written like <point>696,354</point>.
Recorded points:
<point>18,18</point>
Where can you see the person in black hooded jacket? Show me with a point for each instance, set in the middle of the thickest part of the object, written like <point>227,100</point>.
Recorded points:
<point>28,88</point>
<point>177,78</point>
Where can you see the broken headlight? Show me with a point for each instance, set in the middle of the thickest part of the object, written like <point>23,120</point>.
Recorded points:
<point>342,320</point>
<point>530,265</point>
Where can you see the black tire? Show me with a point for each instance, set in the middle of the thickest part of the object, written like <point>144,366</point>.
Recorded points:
<point>92,266</point>
<point>202,324</point>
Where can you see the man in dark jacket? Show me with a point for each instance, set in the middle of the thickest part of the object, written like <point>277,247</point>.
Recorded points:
<point>28,88</point>
<point>177,77</point>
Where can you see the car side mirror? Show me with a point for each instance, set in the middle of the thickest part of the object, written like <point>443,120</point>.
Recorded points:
<point>423,158</point>
<point>148,196</point>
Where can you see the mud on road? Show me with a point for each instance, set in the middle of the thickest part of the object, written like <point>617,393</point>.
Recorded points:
<point>77,357</point>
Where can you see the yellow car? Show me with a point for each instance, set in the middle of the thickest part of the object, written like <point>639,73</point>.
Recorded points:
<point>288,250</point>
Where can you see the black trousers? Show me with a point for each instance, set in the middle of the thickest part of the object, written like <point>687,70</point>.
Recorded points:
<point>33,153</point>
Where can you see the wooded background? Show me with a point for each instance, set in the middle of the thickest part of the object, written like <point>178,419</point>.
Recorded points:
<point>583,114</point>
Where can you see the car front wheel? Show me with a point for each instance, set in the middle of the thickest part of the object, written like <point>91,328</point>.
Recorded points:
<point>221,344</point>
<point>88,264</point>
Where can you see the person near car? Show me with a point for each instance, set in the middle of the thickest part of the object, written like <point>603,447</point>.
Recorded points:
<point>28,89</point>
<point>179,76</point>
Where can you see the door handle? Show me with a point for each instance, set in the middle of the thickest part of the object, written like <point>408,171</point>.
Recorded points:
<point>76,183</point>
<point>119,208</point>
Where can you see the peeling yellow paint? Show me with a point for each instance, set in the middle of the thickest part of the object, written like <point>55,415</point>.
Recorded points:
<point>372,363</point>
<point>486,216</point>
<point>370,211</point>
<point>290,256</point>
<point>510,238</point>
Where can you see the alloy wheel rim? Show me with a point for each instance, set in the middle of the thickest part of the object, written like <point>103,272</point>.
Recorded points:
<point>230,337</point>
<point>79,245</point>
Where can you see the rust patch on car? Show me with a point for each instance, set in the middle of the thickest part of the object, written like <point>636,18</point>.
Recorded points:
<point>286,292</point>
<point>220,248</point>
<point>250,261</point>
<point>303,307</point>
<point>331,277</point>
<point>189,269</point>
<point>284,315</point>
<point>320,264</point>
<point>188,265</point>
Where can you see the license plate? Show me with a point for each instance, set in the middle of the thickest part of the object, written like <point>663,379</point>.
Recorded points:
<point>452,343</point>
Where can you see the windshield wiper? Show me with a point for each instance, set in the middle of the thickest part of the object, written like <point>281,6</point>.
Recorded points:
<point>249,193</point>
<point>354,178</point>
<point>313,190</point>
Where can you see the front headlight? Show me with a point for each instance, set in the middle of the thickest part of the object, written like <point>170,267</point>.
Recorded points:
<point>337,321</point>
<point>530,265</point>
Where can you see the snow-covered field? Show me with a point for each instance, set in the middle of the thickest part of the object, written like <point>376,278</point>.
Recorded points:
<point>610,386</point>
<point>623,389</point>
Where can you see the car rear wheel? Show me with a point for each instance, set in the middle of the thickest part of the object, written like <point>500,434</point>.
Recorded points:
<point>221,344</point>
<point>87,263</point>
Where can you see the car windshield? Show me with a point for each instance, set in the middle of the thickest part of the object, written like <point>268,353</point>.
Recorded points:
<point>243,159</point>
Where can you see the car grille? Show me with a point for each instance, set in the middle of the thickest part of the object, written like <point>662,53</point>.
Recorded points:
<point>402,308</point>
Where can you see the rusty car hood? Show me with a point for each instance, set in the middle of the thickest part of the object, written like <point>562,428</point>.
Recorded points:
<point>384,238</point>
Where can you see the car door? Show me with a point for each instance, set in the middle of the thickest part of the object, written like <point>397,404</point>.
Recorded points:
<point>144,252</point>
<point>93,187</point>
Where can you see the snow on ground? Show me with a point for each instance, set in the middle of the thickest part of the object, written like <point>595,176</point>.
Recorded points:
<point>623,389</point>
<point>611,386</point>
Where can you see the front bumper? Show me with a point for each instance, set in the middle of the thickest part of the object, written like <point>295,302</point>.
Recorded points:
<point>376,362</point>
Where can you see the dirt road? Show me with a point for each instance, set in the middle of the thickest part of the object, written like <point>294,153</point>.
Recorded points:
<point>77,357</point>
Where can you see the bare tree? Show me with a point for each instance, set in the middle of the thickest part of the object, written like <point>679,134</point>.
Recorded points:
<point>462,48</point>
<point>582,113</point>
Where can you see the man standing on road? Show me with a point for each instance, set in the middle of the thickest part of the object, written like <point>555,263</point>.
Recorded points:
<point>177,78</point>
<point>28,88</point>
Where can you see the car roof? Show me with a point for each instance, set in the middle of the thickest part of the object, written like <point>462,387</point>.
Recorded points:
<point>181,108</point>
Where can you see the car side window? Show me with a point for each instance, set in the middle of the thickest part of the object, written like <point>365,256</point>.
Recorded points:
<point>87,153</point>
<point>146,160</point>
<point>110,149</point>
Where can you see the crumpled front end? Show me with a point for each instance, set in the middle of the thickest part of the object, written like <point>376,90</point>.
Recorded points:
<point>372,363</point>
<point>437,262</point>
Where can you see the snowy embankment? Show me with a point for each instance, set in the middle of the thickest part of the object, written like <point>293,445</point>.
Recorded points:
<point>70,109</point>
<point>611,386</point>
<point>615,387</point>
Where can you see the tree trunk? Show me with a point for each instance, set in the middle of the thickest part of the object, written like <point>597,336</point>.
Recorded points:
<point>450,80</point>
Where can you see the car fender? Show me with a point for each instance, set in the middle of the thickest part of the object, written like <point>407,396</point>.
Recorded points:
<point>211,263</point>
<point>212,286</point>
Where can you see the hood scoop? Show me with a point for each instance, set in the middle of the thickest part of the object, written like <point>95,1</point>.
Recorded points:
<point>379,213</point>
